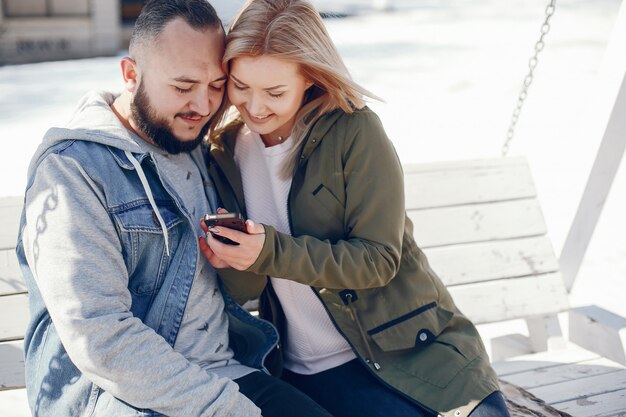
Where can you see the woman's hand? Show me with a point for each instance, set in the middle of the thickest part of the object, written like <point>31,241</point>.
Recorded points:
<point>241,257</point>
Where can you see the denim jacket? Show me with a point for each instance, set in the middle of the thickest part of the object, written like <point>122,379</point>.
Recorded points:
<point>141,228</point>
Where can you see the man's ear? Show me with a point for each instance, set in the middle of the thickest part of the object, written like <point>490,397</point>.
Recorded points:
<point>129,73</point>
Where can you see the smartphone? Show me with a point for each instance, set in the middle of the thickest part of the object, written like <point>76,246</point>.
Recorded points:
<point>230,220</point>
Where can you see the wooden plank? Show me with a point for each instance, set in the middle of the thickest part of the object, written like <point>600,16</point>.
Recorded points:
<point>462,182</point>
<point>11,278</point>
<point>581,388</point>
<point>14,403</point>
<point>12,365</point>
<point>612,404</point>
<point>10,211</point>
<point>484,261</point>
<point>14,307</point>
<point>508,299</point>
<point>562,372</point>
<point>477,223</point>
<point>544,333</point>
<point>600,331</point>
<point>542,360</point>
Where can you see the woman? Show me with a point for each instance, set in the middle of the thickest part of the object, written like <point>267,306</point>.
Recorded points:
<point>368,328</point>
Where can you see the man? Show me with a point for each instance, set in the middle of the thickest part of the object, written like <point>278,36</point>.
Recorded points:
<point>127,317</point>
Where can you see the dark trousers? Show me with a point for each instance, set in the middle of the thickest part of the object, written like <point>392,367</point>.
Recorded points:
<point>276,398</point>
<point>350,390</point>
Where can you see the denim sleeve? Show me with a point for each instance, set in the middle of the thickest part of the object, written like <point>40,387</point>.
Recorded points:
<point>74,252</point>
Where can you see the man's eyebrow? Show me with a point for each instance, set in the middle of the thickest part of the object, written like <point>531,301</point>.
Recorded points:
<point>188,80</point>
<point>266,89</point>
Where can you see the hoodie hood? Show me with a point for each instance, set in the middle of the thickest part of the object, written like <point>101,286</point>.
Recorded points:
<point>92,121</point>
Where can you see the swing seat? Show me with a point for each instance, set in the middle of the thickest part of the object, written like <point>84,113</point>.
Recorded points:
<point>482,228</point>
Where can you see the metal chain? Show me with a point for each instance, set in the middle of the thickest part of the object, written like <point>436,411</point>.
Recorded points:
<point>532,64</point>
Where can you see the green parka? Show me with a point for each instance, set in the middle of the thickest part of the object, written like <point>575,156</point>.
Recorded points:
<point>352,242</point>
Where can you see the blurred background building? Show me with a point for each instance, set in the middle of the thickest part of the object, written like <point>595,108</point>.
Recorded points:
<point>44,30</point>
<point>47,30</point>
<point>50,30</point>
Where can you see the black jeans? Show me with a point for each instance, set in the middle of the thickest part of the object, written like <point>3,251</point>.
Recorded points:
<point>350,390</point>
<point>276,398</point>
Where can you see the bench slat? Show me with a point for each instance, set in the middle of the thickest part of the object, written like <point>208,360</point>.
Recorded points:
<point>14,403</point>
<point>581,388</point>
<point>562,373</point>
<point>10,211</point>
<point>12,365</point>
<point>509,299</point>
<point>477,223</point>
<point>11,278</point>
<point>611,404</point>
<point>15,314</point>
<point>484,261</point>
<point>543,360</point>
<point>465,182</point>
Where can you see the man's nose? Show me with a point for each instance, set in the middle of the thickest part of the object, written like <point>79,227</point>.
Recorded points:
<point>200,103</point>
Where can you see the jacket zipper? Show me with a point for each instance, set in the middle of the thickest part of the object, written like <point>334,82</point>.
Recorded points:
<point>371,360</point>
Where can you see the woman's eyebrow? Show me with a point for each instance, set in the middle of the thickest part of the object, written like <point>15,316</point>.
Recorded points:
<point>237,79</point>
<point>265,89</point>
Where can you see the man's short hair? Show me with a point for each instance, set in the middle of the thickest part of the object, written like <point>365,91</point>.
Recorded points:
<point>156,14</point>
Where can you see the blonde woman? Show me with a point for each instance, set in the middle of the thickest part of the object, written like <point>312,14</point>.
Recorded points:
<point>368,328</point>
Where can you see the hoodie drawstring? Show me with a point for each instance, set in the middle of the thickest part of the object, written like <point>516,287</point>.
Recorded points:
<point>146,187</point>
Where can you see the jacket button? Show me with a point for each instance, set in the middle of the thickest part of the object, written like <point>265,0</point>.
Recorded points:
<point>314,140</point>
<point>457,413</point>
<point>423,336</point>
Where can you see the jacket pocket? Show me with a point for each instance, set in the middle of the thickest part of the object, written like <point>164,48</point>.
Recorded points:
<point>328,200</point>
<point>419,327</point>
<point>424,347</point>
<point>140,217</point>
<point>143,243</point>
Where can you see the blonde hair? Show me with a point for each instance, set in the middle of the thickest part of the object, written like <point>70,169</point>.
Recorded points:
<point>293,30</point>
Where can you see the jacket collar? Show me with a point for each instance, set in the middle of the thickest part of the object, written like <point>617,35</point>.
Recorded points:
<point>122,160</point>
<point>317,133</point>
<point>223,155</point>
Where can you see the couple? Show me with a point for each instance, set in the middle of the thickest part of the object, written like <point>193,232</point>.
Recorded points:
<point>133,314</point>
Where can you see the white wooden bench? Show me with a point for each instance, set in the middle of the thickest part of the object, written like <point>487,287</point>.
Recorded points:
<point>481,225</point>
<point>482,228</point>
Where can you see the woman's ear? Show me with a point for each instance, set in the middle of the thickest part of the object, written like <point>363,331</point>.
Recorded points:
<point>129,73</point>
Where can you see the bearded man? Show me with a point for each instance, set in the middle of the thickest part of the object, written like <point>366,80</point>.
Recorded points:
<point>127,319</point>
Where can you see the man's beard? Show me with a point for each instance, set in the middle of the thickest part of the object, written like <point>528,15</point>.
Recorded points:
<point>157,129</point>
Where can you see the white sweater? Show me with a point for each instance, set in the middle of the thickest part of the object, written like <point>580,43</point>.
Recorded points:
<point>313,343</point>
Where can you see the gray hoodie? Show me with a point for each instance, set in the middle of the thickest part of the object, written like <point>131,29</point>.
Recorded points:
<point>83,267</point>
